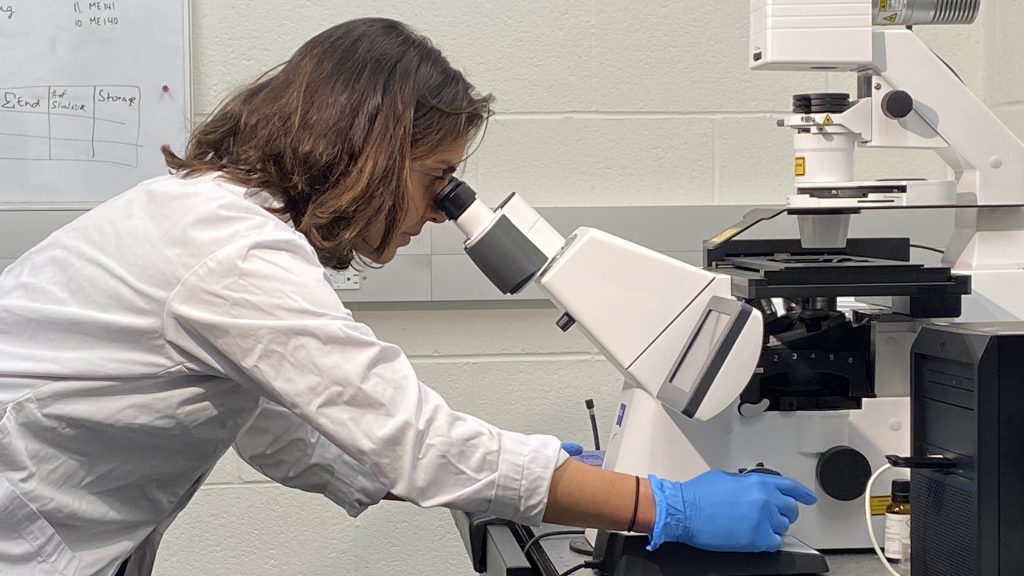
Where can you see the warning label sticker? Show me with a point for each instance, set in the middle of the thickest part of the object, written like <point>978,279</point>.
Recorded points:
<point>828,120</point>
<point>890,11</point>
<point>879,504</point>
<point>801,166</point>
<point>723,236</point>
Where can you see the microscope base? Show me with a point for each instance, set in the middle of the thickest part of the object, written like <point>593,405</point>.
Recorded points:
<point>620,554</point>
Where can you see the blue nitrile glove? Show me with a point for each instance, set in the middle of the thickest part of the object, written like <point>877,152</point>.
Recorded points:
<point>572,448</point>
<point>727,512</point>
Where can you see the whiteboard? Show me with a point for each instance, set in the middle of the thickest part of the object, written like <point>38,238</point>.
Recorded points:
<point>89,91</point>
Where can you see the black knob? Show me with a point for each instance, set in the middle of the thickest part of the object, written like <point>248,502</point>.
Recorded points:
<point>843,473</point>
<point>897,104</point>
<point>759,468</point>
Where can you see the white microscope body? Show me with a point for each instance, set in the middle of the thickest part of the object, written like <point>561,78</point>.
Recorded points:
<point>687,349</point>
<point>908,98</point>
<point>685,346</point>
<point>673,330</point>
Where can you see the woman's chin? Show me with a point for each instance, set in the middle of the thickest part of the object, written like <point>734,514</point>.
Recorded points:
<point>382,259</point>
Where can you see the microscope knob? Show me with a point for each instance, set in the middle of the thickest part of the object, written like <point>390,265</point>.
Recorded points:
<point>843,473</point>
<point>897,104</point>
<point>759,468</point>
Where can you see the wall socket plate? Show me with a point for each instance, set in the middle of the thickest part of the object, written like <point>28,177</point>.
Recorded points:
<point>347,279</point>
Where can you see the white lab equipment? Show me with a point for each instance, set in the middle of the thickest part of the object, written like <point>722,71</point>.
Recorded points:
<point>908,97</point>
<point>672,330</point>
<point>685,346</point>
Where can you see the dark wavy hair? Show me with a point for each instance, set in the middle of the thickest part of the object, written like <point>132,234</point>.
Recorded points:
<point>332,132</point>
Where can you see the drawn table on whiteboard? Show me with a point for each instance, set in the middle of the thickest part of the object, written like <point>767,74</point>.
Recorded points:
<point>97,123</point>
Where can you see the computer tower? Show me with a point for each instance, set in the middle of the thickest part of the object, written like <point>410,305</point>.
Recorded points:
<point>967,397</point>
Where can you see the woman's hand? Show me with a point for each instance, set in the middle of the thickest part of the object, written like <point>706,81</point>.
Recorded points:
<point>572,448</point>
<point>727,512</point>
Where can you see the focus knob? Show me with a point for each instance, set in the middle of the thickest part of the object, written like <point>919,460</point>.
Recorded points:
<point>897,104</point>
<point>843,473</point>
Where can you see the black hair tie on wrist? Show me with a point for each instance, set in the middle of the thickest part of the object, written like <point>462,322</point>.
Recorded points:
<point>636,504</point>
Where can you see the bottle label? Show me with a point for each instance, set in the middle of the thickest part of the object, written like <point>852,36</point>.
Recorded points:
<point>897,529</point>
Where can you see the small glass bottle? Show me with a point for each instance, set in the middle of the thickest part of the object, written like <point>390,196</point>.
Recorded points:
<point>897,521</point>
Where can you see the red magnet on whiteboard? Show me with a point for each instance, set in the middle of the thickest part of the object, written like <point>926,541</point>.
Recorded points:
<point>166,88</point>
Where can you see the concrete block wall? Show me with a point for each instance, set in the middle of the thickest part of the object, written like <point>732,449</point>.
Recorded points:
<point>599,103</point>
<point>1004,78</point>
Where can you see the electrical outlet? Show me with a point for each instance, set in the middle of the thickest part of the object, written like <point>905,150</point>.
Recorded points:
<point>344,279</point>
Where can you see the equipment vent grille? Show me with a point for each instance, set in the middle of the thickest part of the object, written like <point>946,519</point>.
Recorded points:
<point>943,525</point>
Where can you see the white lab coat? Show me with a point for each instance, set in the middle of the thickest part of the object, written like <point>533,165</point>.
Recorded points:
<point>144,339</point>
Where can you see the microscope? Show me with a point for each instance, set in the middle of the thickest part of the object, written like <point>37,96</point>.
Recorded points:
<point>944,321</point>
<point>831,395</point>
<point>751,361</point>
<point>684,345</point>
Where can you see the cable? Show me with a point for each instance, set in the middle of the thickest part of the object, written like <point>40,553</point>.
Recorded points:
<point>589,402</point>
<point>867,516</point>
<point>574,569</point>
<point>539,537</point>
<point>579,567</point>
<point>929,248</point>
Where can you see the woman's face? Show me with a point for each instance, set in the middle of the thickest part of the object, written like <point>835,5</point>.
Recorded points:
<point>426,178</point>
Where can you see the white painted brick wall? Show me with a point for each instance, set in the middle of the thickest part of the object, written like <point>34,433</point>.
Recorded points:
<point>596,159</point>
<point>600,103</point>
<point>1004,81</point>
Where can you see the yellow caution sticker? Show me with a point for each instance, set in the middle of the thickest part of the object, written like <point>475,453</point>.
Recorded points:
<point>828,120</point>
<point>879,504</point>
<point>801,166</point>
<point>724,235</point>
<point>891,18</point>
<point>883,4</point>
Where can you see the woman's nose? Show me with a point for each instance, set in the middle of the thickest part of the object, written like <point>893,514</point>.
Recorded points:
<point>435,215</point>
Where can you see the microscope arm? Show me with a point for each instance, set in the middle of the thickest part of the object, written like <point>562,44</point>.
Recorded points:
<point>842,35</point>
<point>671,329</point>
<point>987,158</point>
<point>940,113</point>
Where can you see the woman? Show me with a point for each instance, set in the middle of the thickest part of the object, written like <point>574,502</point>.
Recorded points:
<point>191,314</point>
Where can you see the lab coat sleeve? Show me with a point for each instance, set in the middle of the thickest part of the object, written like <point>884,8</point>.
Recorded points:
<point>260,312</point>
<point>289,451</point>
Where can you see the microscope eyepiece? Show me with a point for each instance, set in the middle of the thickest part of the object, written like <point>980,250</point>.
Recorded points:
<point>454,198</point>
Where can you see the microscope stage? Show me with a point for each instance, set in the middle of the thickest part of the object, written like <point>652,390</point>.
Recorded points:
<point>871,267</point>
<point>851,275</point>
<point>817,262</point>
